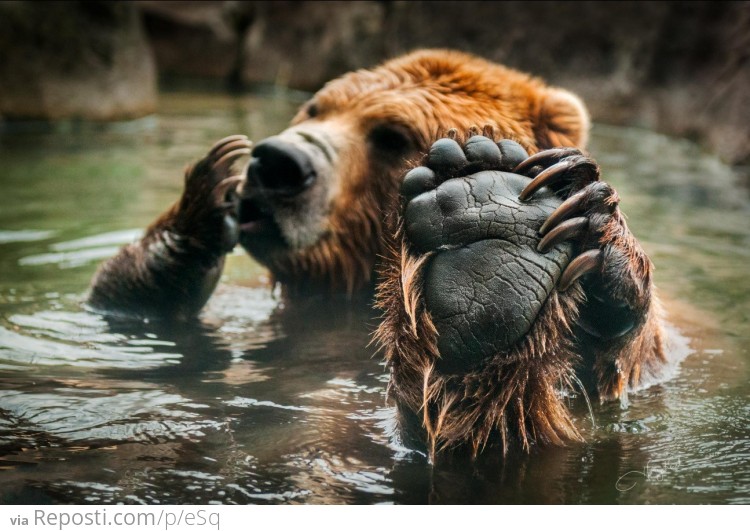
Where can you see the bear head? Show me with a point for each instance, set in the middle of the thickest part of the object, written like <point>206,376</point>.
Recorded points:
<point>319,196</point>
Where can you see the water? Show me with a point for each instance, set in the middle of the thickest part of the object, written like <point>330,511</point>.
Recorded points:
<point>267,404</point>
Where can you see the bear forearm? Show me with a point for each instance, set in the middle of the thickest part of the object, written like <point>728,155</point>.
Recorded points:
<point>172,271</point>
<point>165,275</point>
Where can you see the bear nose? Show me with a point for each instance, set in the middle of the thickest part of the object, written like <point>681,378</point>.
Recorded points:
<point>280,167</point>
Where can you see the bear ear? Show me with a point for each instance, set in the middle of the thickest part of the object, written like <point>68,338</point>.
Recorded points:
<point>562,120</point>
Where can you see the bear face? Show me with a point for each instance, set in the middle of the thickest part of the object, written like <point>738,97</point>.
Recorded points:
<point>316,198</point>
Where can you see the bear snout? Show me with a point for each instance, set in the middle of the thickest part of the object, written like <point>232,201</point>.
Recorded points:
<point>280,169</point>
<point>284,202</point>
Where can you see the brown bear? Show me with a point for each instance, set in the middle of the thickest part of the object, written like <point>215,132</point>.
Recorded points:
<point>503,278</point>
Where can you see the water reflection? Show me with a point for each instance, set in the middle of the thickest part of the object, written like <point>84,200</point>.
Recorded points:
<point>266,403</point>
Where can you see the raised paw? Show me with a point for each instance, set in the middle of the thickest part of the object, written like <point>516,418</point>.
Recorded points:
<point>207,209</point>
<point>488,307</point>
<point>486,280</point>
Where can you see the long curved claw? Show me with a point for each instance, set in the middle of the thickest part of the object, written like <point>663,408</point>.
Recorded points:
<point>577,164</point>
<point>545,158</point>
<point>564,231</point>
<point>571,206</point>
<point>228,158</point>
<point>231,146</point>
<point>550,175</point>
<point>226,140</point>
<point>220,190</point>
<point>584,263</point>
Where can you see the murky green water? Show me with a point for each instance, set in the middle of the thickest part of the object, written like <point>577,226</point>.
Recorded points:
<point>266,404</point>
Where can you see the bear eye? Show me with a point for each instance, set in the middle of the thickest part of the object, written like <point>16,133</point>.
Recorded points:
<point>390,138</point>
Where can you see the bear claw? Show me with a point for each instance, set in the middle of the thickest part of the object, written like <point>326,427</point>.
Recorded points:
<point>227,150</point>
<point>571,228</point>
<point>571,206</point>
<point>576,166</point>
<point>208,202</point>
<point>584,263</point>
<point>583,216</point>
<point>545,158</point>
<point>221,144</point>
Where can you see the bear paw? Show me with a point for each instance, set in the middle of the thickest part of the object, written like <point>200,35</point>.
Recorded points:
<point>478,336</point>
<point>487,310</point>
<point>206,211</point>
<point>490,272</point>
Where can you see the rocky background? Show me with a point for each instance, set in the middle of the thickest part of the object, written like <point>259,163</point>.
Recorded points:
<point>682,68</point>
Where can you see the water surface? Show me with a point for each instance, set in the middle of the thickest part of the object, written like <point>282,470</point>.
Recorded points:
<point>263,403</point>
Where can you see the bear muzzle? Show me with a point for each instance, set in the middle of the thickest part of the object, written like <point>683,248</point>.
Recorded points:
<point>279,168</point>
<point>285,199</point>
<point>278,172</point>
